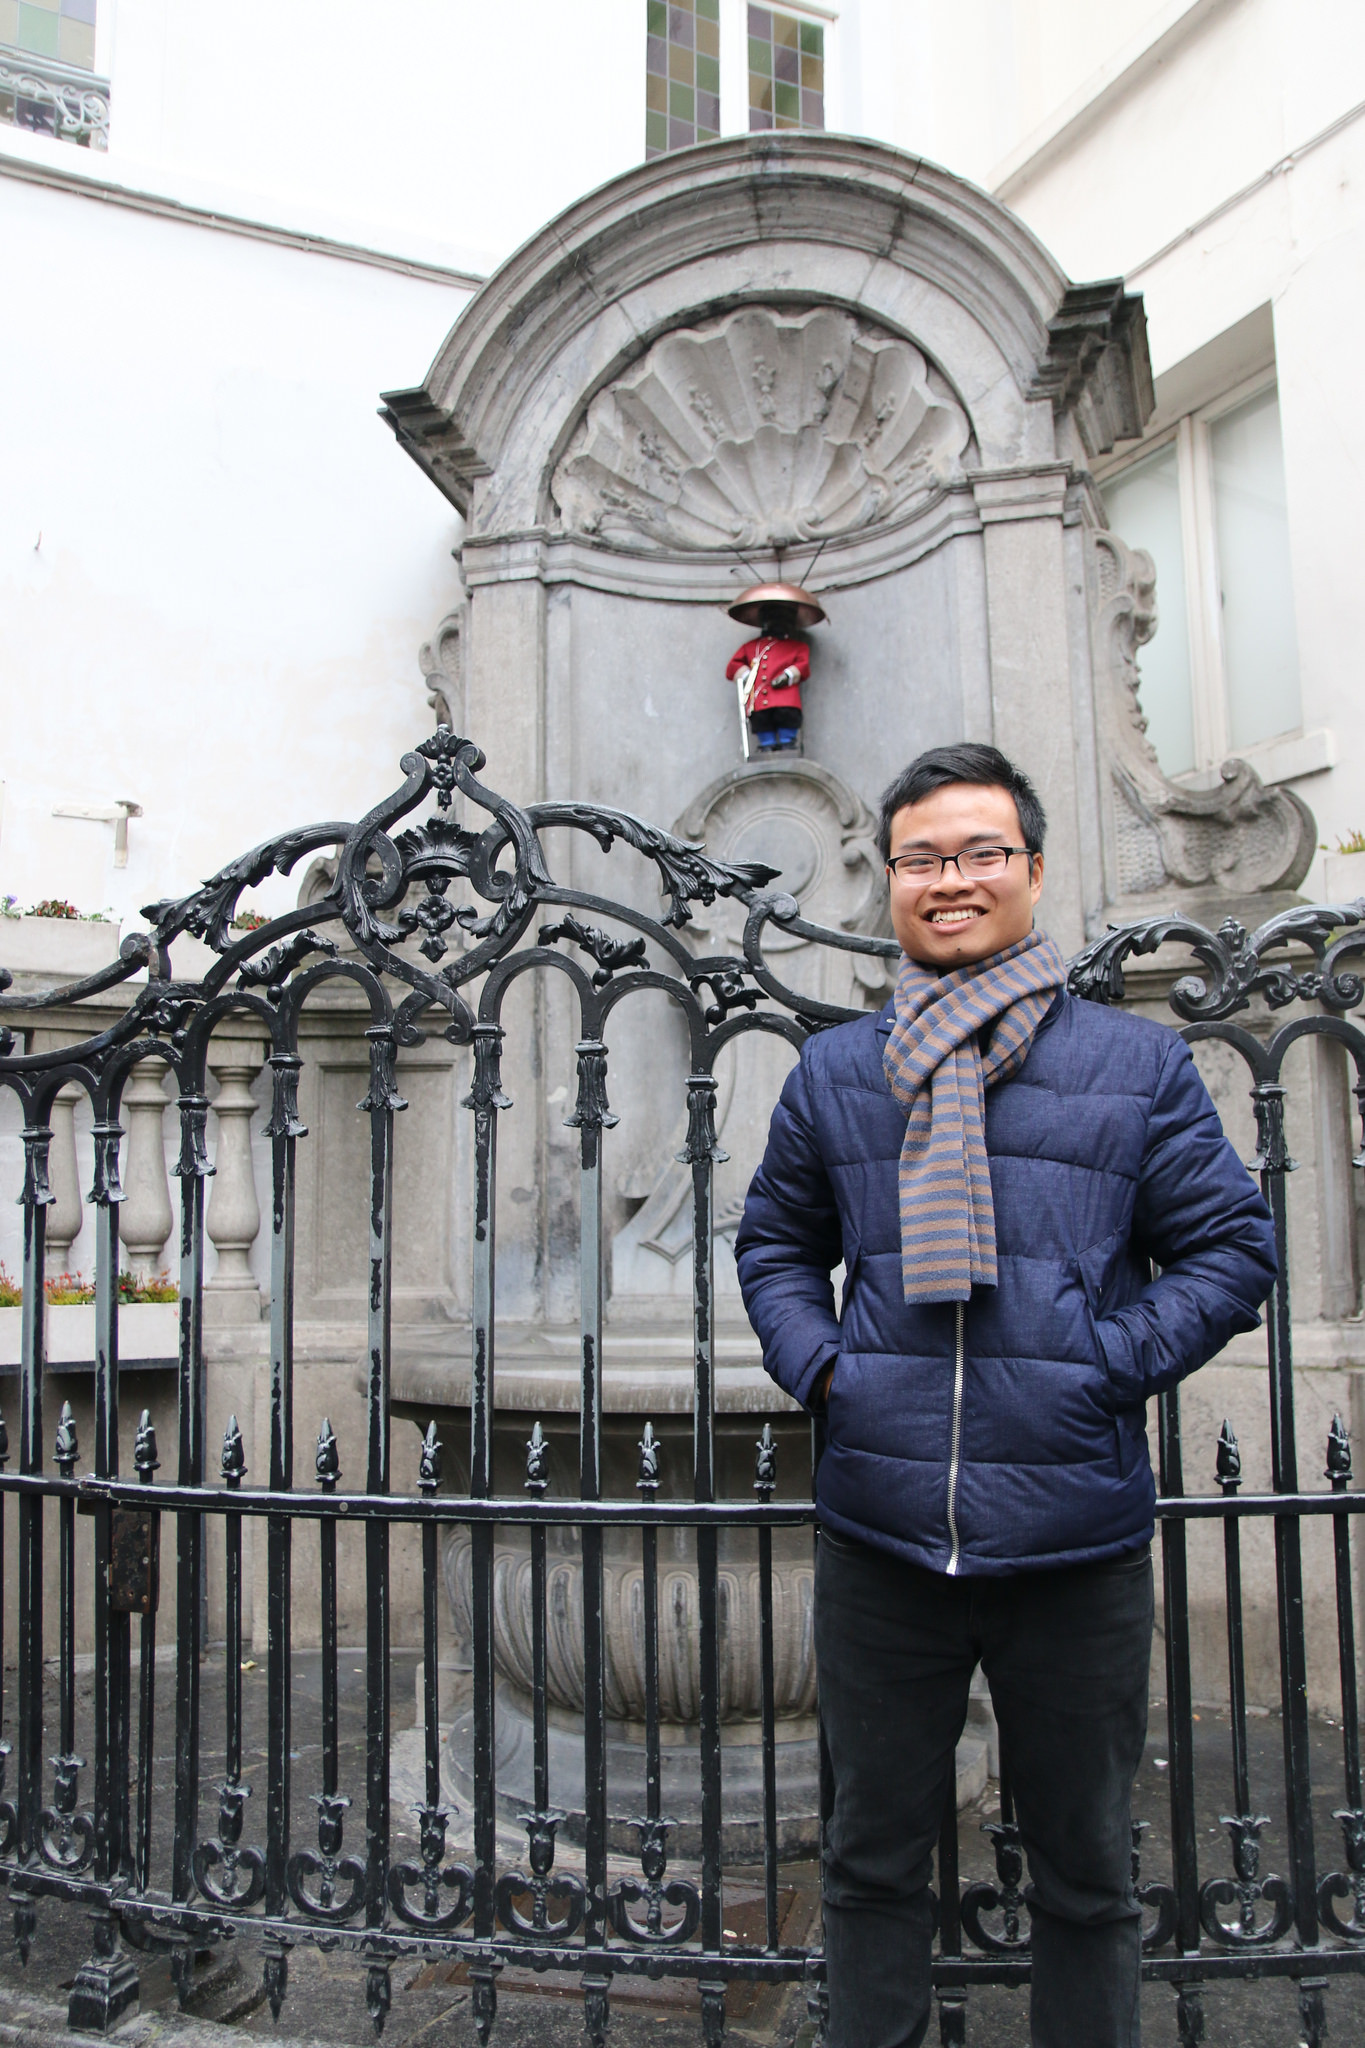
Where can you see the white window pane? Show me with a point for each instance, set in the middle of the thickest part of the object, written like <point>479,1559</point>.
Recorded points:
<point>1260,652</point>
<point>1143,508</point>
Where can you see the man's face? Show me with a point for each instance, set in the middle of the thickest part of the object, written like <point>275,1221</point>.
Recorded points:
<point>952,920</point>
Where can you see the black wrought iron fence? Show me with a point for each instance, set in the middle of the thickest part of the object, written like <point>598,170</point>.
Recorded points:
<point>111,1837</point>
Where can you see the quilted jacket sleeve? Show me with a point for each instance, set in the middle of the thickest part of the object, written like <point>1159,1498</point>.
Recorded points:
<point>1201,1218</point>
<point>787,1246</point>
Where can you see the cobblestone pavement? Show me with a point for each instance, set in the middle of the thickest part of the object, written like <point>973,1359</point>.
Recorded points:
<point>431,2003</point>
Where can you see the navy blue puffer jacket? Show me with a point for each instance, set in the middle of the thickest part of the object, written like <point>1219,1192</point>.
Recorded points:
<point>1007,1433</point>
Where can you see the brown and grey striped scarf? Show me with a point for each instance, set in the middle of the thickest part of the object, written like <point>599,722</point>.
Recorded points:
<point>939,1075</point>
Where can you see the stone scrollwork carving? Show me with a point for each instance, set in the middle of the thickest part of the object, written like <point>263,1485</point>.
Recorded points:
<point>761,429</point>
<point>1239,836</point>
<point>442,664</point>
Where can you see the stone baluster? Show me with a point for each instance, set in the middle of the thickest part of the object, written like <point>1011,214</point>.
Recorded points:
<point>66,1212</point>
<point>234,1215</point>
<point>144,1222</point>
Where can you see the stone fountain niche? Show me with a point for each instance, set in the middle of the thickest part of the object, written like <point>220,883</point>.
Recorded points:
<point>816,358</point>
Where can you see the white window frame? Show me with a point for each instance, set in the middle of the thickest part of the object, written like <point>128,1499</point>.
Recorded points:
<point>734,60</point>
<point>1292,752</point>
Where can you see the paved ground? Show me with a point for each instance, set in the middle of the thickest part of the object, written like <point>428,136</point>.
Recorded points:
<point>431,2003</point>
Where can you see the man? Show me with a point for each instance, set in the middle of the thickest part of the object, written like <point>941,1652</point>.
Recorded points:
<point>997,1165</point>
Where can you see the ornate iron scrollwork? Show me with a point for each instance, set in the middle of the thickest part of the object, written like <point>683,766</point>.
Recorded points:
<point>728,992</point>
<point>543,1888</point>
<point>67,1837</point>
<point>1246,1890</point>
<point>327,1865</point>
<point>1154,1897</point>
<point>1236,960</point>
<point>432,1877</point>
<point>657,1892</point>
<point>1005,1896</point>
<point>273,969</point>
<point>224,1871</point>
<point>610,954</point>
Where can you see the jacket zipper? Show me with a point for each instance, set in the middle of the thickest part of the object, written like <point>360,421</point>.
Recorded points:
<point>955,1456</point>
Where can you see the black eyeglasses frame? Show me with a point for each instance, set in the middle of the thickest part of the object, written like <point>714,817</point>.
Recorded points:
<point>956,858</point>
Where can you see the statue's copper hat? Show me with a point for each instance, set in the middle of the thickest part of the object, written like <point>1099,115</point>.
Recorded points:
<point>750,608</point>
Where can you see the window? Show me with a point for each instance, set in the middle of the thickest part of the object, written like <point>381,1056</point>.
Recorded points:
<point>682,74</point>
<point>47,58</point>
<point>64,29</point>
<point>1221,674</point>
<point>786,70</point>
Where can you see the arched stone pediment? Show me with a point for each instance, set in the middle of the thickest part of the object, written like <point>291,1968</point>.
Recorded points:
<point>778,222</point>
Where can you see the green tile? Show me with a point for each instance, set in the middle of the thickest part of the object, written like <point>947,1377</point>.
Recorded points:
<point>9,21</point>
<point>812,39</point>
<point>76,44</point>
<point>38,28</point>
<point>760,57</point>
<point>657,17</point>
<point>47,6</point>
<point>707,134</point>
<point>682,102</point>
<point>708,74</point>
<point>656,131</point>
<point>787,102</point>
<point>708,10</point>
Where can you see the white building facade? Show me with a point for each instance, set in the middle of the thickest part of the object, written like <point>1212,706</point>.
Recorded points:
<point>217,571</point>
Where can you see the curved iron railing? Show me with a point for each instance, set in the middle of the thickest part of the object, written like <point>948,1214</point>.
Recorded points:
<point>250,1875</point>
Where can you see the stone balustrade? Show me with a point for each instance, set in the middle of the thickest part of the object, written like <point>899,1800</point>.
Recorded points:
<point>234,1213</point>
<point>145,1217</point>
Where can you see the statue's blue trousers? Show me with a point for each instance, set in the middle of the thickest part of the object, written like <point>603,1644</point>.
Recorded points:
<point>1067,1656</point>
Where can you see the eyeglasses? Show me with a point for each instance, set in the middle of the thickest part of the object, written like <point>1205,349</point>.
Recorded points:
<point>975,863</point>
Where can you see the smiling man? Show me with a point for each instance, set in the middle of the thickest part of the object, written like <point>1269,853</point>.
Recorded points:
<point>998,1166</point>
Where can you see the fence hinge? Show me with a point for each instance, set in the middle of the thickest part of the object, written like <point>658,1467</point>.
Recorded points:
<point>134,1561</point>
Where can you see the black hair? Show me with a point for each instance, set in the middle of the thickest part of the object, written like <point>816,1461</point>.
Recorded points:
<point>968,761</point>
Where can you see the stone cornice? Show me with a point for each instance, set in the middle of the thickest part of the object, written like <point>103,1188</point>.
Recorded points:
<point>540,555</point>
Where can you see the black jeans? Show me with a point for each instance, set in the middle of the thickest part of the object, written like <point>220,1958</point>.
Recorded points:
<point>1066,1654</point>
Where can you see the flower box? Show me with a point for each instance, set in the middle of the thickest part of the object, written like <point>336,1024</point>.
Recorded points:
<point>69,946</point>
<point>146,1330</point>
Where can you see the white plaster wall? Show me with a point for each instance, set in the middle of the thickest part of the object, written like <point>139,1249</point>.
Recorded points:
<point>215,567</point>
<point>445,128</point>
<point>237,566</point>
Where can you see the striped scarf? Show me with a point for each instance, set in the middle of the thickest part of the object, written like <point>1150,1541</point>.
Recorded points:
<point>938,1074</point>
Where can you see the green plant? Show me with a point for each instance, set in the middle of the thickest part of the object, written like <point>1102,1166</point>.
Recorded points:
<point>1351,842</point>
<point>64,1290</point>
<point>248,921</point>
<point>11,1293</point>
<point>9,907</point>
<point>159,1287</point>
<point>54,906</point>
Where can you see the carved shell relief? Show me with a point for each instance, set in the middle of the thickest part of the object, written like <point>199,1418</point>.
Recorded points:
<point>759,430</point>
